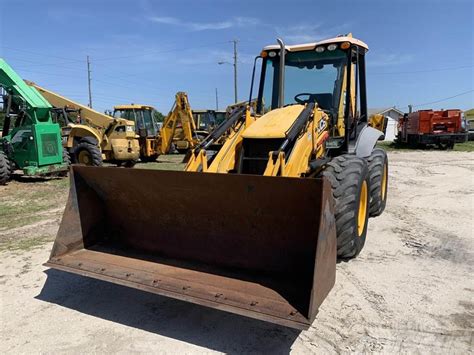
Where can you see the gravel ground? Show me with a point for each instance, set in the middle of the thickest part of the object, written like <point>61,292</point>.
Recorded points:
<point>411,289</point>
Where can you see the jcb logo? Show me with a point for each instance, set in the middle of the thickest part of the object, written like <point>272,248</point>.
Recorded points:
<point>322,124</point>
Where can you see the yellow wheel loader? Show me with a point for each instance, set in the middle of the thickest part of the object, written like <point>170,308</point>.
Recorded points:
<point>253,227</point>
<point>91,137</point>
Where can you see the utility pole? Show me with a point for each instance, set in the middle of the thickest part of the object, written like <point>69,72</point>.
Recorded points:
<point>236,99</point>
<point>217,101</point>
<point>89,81</point>
<point>235,70</point>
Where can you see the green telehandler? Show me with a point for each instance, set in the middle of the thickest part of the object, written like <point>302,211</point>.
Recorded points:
<point>30,140</point>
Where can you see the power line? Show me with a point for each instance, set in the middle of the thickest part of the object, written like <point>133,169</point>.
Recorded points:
<point>51,74</point>
<point>444,99</point>
<point>142,54</point>
<point>36,64</point>
<point>40,54</point>
<point>424,71</point>
<point>440,100</point>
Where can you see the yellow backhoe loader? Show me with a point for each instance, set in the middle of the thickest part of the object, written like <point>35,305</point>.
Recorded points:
<point>255,227</point>
<point>207,120</point>
<point>145,125</point>
<point>178,132</point>
<point>91,137</point>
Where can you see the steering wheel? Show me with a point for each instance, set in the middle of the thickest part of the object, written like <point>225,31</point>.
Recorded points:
<point>301,101</point>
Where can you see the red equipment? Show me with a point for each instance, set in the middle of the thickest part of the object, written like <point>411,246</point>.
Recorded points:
<point>443,128</point>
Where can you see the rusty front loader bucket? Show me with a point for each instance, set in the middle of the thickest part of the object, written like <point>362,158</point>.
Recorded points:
<point>263,247</point>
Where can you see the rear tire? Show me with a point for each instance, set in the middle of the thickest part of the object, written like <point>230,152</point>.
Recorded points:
<point>66,157</point>
<point>129,163</point>
<point>349,178</point>
<point>149,159</point>
<point>378,173</point>
<point>5,169</point>
<point>87,154</point>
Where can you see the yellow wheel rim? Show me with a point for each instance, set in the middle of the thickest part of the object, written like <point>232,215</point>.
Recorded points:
<point>384,181</point>
<point>362,209</point>
<point>84,157</point>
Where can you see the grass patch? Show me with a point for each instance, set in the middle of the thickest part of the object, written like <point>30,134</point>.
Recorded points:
<point>165,162</point>
<point>24,201</point>
<point>464,147</point>
<point>391,146</point>
<point>25,244</point>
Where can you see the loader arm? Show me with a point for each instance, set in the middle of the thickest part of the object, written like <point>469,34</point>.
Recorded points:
<point>92,117</point>
<point>233,127</point>
<point>115,136</point>
<point>307,137</point>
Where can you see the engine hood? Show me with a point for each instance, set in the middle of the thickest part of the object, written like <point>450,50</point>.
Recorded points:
<point>274,124</point>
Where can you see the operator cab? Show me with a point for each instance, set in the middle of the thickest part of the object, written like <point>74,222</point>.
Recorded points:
<point>142,115</point>
<point>319,73</point>
<point>207,120</point>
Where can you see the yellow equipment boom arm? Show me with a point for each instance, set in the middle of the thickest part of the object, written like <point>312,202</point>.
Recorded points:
<point>115,137</point>
<point>180,113</point>
<point>92,117</point>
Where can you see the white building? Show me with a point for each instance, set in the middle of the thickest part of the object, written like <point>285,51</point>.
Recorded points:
<point>393,115</point>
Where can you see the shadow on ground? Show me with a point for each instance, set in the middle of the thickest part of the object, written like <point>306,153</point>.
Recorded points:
<point>201,326</point>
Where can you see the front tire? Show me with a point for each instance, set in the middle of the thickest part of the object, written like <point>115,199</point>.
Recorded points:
<point>87,154</point>
<point>5,169</point>
<point>378,173</point>
<point>349,178</point>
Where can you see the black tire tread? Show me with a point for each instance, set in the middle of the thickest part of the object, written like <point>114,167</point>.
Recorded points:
<point>343,172</point>
<point>376,163</point>
<point>66,157</point>
<point>92,149</point>
<point>5,168</point>
<point>129,163</point>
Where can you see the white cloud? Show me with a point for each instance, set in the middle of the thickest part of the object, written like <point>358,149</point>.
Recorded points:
<point>203,26</point>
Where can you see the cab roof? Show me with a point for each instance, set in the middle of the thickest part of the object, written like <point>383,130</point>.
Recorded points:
<point>133,107</point>
<point>312,45</point>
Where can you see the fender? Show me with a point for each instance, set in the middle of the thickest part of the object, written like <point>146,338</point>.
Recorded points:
<point>366,141</point>
<point>83,132</point>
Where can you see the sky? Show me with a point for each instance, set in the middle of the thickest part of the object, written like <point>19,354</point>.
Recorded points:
<point>421,52</point>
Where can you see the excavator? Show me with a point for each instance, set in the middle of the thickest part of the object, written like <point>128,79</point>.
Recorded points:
<point>93,137</point>
<point>178,132</point>
<point>30,140</point>
<point>256,226</point>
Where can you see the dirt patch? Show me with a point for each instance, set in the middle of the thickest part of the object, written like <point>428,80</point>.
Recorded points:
<point>410,290</point>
